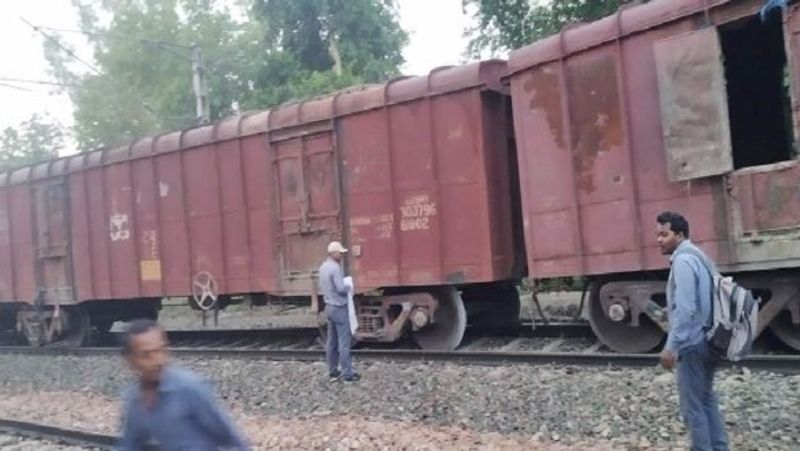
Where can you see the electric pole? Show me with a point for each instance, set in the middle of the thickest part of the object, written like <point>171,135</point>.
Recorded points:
<point>200,87</point>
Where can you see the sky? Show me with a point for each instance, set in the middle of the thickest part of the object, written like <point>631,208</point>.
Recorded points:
<point>435,30</point>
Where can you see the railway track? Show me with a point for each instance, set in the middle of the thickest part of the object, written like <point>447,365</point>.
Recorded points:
<point>56,434</point>
<point>483,347</point>
<point>308,337</point>
<point>783,364</point>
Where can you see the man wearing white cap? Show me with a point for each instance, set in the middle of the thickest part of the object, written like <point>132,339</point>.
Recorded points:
<point>334,292</point>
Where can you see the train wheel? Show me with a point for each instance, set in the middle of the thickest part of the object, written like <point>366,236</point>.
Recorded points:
<point>786,331</point>
<point>621,336</point>
<point>451,321</point>
<point>76,334</point>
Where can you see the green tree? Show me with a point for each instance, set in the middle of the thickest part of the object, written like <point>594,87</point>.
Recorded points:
<point>319,46</point>
<point>502,25</point>
<point>140,81</point>
<point>36,139</point>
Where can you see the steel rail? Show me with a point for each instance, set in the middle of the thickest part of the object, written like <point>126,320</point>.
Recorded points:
<point>220,337</point>
<point>57,434</point>
<point>784,364</point>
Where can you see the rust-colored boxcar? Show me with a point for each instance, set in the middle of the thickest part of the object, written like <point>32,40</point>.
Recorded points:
<point>413,175</point>
<point>673,105</point>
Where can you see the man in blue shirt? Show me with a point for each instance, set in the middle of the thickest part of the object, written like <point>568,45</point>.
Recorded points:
<point>689,305</point>
<point>169,408</point>
<point>334,293</point>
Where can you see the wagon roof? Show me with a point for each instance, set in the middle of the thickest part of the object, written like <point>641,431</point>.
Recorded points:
<point>442,80</point>
<point>578,37</point>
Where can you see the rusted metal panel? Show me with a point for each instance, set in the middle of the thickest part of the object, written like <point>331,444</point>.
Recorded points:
<point>53,259</point>
<point>694,106</point>
<point>368,180</point>
<point>502,187</point>
<point>592,162</point>
<point>22,241</point>
<point>202,191</point>
<point>416,210</point>
<point>234,217</point>
<point>148,239</point>
<point>172,227</point>
<point>308,197</point>
<point>81,237</point>
<point>792,43</point>
<point>600,163</point>
<point>120,231</point>
<point>769,198</point>
<point>6,250</point>
<point>545,161</point>
<point>634,20</point>
<point>417,175</point>
<point>99,234</point>
<point>261,209</point>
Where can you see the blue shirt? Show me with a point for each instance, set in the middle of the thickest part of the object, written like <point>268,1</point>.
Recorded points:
<point>185,416</point>
<point>688,298</point>
<point>331,283</point>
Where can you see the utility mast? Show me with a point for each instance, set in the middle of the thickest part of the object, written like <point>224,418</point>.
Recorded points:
<point>200,86</point>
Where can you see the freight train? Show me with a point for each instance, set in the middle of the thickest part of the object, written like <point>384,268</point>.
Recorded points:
<point>448,189</point>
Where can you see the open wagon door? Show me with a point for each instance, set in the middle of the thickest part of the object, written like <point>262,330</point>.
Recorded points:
<point>694,106</point>
<point>733,119</point>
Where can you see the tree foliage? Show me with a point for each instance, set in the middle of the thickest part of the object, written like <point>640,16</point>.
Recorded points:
<point>259,53</point>
<point>140,81</point>
<point>509,24</point>
<point>318,46</point>
<point>36,139</point>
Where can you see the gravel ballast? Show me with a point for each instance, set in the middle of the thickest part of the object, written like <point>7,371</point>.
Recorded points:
<point>631,409</point>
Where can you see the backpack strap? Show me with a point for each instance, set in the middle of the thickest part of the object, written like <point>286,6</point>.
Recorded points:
<point>708,266</point>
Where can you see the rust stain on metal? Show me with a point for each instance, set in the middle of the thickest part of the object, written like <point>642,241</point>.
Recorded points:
<point>720,219</point>
<point>545,94</point>
<point>779,196</point>
<point>595,111</point>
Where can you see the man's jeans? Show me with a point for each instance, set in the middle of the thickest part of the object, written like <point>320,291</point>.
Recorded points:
<point>699,405</point>
<point>338,350</point>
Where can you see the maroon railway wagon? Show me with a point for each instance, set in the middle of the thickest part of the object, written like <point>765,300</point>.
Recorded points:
<point>416,176</point>
<point>685,105</point>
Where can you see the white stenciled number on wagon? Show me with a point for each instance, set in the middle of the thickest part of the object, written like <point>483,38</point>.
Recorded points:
<point>416,212</point>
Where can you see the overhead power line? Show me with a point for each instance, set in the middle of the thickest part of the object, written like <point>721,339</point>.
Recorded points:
<point>119,37</point>
<point>35,82</point>
<point>199,79</point>
<point>63,47</point>
<point>18,88</point>
<point>147,108</point>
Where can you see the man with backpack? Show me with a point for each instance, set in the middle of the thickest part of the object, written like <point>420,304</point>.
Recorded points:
<point>690,309</point>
